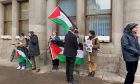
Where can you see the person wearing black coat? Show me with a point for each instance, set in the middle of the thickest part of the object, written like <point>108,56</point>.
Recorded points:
<point>70,51</point>
<point>34,51</point>
<point>131,51</point>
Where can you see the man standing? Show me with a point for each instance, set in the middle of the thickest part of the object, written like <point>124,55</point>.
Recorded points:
<point>34,51</point>
<point>70,51</point>
<point>131,51</point>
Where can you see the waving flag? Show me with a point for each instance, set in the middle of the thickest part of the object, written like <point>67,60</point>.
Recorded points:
<point>59,17</point>
<point>22,57</point>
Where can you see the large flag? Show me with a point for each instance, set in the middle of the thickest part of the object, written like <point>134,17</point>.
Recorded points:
<point>59,17</point>
<point>55,50</point>
<point>22,57</point>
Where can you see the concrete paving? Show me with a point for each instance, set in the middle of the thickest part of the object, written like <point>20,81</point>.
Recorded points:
<point>9,75</point>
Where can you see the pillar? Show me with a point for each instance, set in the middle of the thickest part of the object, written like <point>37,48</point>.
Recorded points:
<point>51,26</point>
<point>80,16</point>
<point>15,18</point>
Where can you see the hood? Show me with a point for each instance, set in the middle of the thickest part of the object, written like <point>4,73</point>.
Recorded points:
<point>129,27</point>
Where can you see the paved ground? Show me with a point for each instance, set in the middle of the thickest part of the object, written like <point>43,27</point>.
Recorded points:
<point>9,75</point>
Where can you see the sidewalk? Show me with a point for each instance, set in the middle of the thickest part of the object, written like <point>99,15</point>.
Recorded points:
<point>100,78</point>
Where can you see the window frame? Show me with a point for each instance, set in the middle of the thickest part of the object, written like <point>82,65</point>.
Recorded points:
<point>20,15</point>
<point>86,15</point>
<point>5,31</point>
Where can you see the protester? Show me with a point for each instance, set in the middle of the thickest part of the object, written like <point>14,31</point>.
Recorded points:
<point>70,51</point>
<point>34,51</point>
<point>56,40</point>
<point>80,47</point>
<point>92,55</point>
<point>131,51</point>
<point>20,45</point>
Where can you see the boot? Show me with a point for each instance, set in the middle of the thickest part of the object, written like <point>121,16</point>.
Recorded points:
<point>90,74</point>
<point>93,74</point>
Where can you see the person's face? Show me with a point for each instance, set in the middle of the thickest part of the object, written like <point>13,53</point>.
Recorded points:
<point>90,34</point>
<point>135,29</point>
<point>54,34</point>
<point>29,34</point>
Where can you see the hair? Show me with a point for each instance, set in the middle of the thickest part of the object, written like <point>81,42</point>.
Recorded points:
<point>132,25</point>
<point>76,31</point>
<point>21,34</point>
<point>56,33</point>
<point>92,32</point>
<point>31,32</point>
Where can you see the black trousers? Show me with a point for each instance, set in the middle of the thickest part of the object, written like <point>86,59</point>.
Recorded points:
<point>131,70</point>
<point>55,63</point>
<point>70,68</point>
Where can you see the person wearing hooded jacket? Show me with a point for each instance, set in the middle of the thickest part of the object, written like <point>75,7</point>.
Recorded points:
<point>131,51</point>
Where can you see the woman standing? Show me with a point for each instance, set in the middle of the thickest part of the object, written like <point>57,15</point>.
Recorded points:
<point>92,55</point>
<point>56,40</point>
<point>21,45</point>
<point>131,51</point>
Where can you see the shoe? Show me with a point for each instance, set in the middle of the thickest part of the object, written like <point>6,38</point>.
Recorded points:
<point>73,82</point>
<point>33,68</point>
<point>93,74</point>
<point>23,68</point>
<point>90,74</point>
<point>18,68</point>
<point>37,70</point>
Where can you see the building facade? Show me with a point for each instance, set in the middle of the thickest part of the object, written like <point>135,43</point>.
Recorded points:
<point>106,17</point>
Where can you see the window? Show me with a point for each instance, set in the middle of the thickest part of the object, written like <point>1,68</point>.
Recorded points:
<point>24,18</point>
<point>69,7</point>
<point>7,19</point>
<point>98,16</point>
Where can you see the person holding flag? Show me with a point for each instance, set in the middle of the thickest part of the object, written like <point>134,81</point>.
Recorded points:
<point>55,39</point>
<point>20,46</point>
<point>70,51</point>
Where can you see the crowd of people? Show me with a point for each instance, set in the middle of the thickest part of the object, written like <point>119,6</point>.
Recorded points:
<point>73,42</point>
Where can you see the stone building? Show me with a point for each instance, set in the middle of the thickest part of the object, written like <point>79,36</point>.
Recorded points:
<point>106,17</point>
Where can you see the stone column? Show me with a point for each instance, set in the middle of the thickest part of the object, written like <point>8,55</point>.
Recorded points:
<point>15,18</point>
<point>1,18</point>
<point>132,14</point>
<point>51,26</point>
<point>80,17</point>
<point>37,22</point>
<point>117,31</point>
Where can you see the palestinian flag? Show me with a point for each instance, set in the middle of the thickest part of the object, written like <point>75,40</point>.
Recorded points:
<point>55,50</point>
<point>79,57</point>
<point>22,57</point>
<point>59,17</point>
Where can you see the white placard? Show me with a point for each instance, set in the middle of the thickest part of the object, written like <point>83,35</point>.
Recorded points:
<point>89,45</point>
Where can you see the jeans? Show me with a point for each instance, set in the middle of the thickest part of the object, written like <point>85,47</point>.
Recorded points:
<point>22,64</point>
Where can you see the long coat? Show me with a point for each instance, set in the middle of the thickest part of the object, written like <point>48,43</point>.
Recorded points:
<point>130,45</point>
<point>96,45</point>
<point>34,46</point>
<point>71,45</point>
